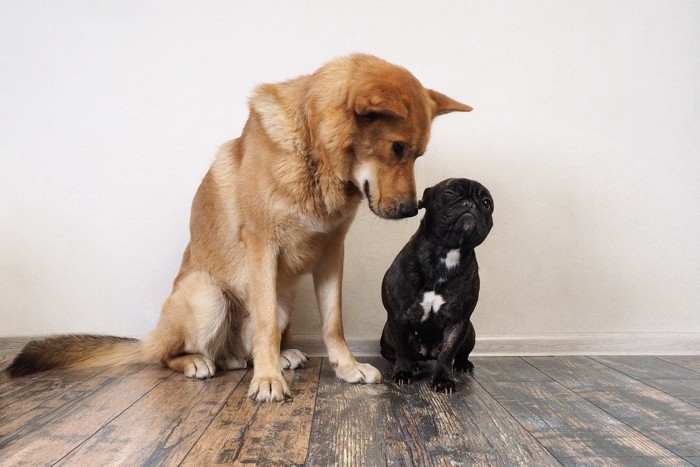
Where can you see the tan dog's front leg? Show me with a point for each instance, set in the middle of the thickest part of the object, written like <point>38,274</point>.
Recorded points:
<point>328,280</point>
<point>268,384</point>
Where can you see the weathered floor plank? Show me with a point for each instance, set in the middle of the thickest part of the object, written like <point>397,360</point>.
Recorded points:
<point>505,369</point>
<point>470,426</point>
<point>687,390</point>
<point>46,433</point>
<point>643,367</point>
<point>570,426</point>
<point>654,413</point>
<point>22,394</point>
<point>264,434</point>
<point>578,373</point>
<point>691,362</point>
<point>363,424</point>
<point>624,462</point>
<point>619,410</point>
<point>161,427</point>
<point>412,425</point>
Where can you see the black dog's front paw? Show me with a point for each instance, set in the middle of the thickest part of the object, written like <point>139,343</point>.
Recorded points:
<point>465,366</point>
<point>402,377</point>
<point>443,385</point>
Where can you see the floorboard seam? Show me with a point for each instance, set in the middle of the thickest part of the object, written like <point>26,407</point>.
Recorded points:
<point>313,417</point>
<point>613,416</point>
<point>76,447</point>
<point>647,384</point>
<point>61,393</point>
<point>661,357</point>
<point>515,419</point>
<point>676,364</point>
<point>228,396</point>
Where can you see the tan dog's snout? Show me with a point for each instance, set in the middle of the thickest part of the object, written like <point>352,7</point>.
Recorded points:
<point>398,210</point>
<point>391,194</point>
<point>407,209</point>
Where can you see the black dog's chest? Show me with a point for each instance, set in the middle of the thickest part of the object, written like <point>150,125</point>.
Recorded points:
<point>446,296</point>
<point>425,337</point>
<point>439,308</point>
<point>442,294</point>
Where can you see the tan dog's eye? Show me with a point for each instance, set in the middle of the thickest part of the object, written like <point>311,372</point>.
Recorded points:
<point>399,148</point>
<point>371,117</point>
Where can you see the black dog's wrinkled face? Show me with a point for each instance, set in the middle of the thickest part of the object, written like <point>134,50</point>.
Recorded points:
<point>458,212</point>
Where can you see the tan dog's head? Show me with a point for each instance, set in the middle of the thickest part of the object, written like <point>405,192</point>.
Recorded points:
<point>366,119</point>
<point>392,113</point>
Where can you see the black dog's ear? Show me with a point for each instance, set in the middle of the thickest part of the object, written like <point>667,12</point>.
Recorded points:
<point>427,194</point>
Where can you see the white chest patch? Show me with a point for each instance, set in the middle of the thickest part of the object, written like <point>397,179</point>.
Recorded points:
<point>451,259</point>
<point>431,304</point>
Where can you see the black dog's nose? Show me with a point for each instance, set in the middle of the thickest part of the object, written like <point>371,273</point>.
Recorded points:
<point>407,209</point>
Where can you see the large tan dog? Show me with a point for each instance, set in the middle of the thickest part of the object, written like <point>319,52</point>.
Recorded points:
<point>276,204</point>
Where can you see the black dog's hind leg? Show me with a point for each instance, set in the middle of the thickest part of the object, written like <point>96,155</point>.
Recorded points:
<point>387,349</point>
<point>453,339</point>
<point>462,362</point>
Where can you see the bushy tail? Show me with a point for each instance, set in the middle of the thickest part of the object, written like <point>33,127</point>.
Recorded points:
<point>76,351</point>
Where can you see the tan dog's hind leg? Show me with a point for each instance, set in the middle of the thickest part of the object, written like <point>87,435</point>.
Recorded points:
<point>328,279</point>
<point>194,326</point>
<point>268,384</point>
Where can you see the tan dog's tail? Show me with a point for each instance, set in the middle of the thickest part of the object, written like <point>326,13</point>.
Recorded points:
<point>76,351</point>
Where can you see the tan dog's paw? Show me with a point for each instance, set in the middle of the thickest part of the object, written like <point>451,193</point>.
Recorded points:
<point>268,389</point>
<point>232,363</point>
<point>359,373</point>
<point>197,366</point>
<point>291,359</point>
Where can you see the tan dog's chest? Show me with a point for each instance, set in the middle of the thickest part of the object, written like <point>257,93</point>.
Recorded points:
<point>302,240</point>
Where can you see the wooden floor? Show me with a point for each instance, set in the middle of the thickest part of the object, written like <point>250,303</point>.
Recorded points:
<point>619,410</point>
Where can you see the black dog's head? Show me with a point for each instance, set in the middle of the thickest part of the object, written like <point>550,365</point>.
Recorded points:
<point>458,212</point>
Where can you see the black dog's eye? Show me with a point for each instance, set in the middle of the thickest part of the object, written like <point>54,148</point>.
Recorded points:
<point>399,148</point>
<point>487,203</point>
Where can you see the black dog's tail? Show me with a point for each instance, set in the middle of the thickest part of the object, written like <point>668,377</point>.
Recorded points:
<point>76,351</point>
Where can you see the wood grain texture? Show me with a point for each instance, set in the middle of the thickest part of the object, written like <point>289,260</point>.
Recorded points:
<point>412,425</point>
<point>579,373</point>
<point>161,427</point>
<point>264,434</point>
<point>506,369</point>
<point>691,362</point>
<point>687,390</point>
<point>49,431</point>
<point>625,462</point>
<point>654,408</point>
<point>32,390</point>
<point>362,424</point>
<point>644,367</point>
<point>470,427</point>
<point>568,425</point>
<point>572,410</point>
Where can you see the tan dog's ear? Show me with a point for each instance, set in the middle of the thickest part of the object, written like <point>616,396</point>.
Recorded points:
<point>444,104</point>
<point>379,101</point>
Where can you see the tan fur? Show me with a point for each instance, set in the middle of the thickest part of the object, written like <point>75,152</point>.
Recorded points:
<point>277,204</point>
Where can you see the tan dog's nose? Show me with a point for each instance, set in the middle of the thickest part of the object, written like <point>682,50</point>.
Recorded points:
<point>406,209</point>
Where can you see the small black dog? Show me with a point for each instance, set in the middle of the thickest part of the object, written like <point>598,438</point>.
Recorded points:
<point>432,286</point>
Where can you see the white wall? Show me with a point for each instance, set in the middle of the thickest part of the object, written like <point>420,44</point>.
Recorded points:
<point>586,129</point>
